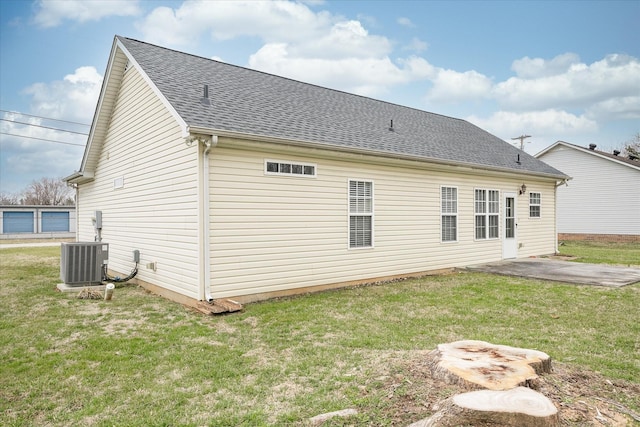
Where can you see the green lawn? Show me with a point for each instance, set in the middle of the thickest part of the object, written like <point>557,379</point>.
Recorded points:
<point>603,253</point>
<point>140,360</point>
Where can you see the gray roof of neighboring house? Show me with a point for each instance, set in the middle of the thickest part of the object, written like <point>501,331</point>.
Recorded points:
<point>629,160</point>
<point>256,103</point>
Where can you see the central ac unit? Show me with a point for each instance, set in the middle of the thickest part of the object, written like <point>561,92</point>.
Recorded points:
<point>82,263</point>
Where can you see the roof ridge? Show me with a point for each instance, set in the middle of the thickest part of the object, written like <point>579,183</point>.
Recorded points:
<point>317,115</point>
<point>294,80</point>
<point>611,156</point>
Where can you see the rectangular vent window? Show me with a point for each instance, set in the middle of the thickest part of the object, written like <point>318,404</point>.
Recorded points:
<point>273,167</point>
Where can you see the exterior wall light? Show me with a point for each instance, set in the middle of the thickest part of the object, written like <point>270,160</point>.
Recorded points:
<point>523,189</point>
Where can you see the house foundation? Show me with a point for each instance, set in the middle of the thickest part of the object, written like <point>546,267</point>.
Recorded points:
<point>607,238</point>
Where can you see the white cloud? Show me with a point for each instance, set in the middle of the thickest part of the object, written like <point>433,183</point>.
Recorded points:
<point>450,86</point>
<point>580,86</point>
<point>155,28</point>
<point>368,20</point>
<point>625,108</point>
<point>271,21</point>
<point>316,47</point>
<point>417,45</point>
<point>528,68</point>
<point>559,94</point>
<point>418,68</point>
<point>346,39</point>
<point>34,153</point>
<point>51,13</point>
<point>405,22</point>
<point>548,125</point>
<point>73,98</point>
<point>364,76</point>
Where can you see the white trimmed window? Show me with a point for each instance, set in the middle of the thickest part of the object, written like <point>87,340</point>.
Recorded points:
<point>360,214</point>
<point>534,205</point>
<point>278,167</point>
<point>449,213</point>
<point>487,214</point>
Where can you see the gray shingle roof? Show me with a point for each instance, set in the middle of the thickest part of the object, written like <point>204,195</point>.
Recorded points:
<point>620,159</point>
<point>257,103</point>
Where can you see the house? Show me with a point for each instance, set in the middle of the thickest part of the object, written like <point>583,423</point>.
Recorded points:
<point>37,222</point>
<point>233,183</point>
<point>601,201</point>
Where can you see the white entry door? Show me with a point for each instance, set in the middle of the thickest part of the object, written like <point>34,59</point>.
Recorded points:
<point>509,227</point>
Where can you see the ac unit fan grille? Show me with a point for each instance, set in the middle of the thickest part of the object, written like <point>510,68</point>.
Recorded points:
<point>82,263</point>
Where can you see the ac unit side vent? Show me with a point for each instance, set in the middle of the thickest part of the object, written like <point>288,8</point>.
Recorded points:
<point>81,263</point>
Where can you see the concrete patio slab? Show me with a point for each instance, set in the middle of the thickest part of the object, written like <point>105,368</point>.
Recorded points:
<point>563,271</point>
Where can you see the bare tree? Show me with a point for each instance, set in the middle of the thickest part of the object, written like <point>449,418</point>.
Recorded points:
<point>48,191</point>
<point>632,147</point>
<point>9,199</point>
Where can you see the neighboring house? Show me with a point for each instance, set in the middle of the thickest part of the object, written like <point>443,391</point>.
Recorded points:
<point>37,222</point>
<point>601,201</point>
<point>233,183</point>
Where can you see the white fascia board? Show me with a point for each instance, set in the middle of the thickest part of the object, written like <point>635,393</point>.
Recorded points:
<point>111,79</point>
<point>549,148</point>
<point>96,114</point>
<point>79,178</point>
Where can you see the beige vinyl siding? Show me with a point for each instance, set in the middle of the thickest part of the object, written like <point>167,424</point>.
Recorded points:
<point>106,102</point>
<point>156,211</point>
<point>271,233</point>
<point>537,236</point>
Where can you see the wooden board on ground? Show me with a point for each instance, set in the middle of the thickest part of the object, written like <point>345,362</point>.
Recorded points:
<point>218,306</point>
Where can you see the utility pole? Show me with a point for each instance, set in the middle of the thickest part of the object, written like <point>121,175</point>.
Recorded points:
<point>522,138</point>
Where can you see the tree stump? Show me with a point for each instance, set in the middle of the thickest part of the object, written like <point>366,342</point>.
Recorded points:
<point>479,364</point>
<point>518,407</point>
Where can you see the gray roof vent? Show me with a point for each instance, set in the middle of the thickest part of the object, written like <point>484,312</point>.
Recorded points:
<point>616,152</point>
<point>205,96</point>
<point>592,146</point>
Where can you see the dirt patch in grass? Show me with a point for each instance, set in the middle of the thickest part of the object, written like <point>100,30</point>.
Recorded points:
<point>583,398</point>
<point>561,257</point>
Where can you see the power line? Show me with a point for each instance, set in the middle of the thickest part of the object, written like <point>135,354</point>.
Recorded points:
<point>42,139</point>
<point>45,118</point>
<point>44,127</point>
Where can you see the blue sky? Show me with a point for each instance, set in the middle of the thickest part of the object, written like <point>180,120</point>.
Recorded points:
<point>555,70</point>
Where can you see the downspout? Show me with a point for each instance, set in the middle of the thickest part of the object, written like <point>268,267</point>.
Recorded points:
<point>555,218</point>
<point>555,208</point>
<point>76,192</point>
<point>205,286</point>
<point>77,212</point>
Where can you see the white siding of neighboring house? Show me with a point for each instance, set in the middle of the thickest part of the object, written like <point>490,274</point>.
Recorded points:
<point>602,197</point>
<point>271,233</point>
<point>156,210</point>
